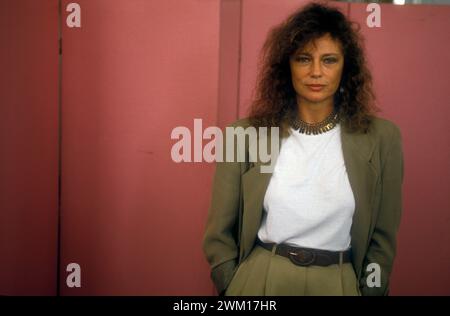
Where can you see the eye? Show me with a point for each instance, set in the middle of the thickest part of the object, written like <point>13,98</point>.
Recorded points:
<point>330,60</point>
<point>302,59</point>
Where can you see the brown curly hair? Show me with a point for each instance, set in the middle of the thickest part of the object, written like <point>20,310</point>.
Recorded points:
<point>275,94</point>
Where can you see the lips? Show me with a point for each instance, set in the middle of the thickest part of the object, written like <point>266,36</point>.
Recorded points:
<point>315,87</point>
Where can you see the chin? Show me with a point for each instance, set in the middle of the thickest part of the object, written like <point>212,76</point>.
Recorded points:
<point>315,98</point>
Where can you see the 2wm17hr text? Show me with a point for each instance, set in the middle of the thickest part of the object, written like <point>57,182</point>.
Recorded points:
<point>227,305</point>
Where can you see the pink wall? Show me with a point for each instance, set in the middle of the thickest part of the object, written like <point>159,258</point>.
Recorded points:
<point>229,54</point>
<point>131,217</point>
<point>28,147</point>
<point>410,62</point>
<point>408,56</point>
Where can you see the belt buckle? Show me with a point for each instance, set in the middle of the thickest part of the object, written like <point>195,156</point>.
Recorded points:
<point>302,257</point>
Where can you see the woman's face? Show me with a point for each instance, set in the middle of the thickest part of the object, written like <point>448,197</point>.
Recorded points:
<point>322,65</point>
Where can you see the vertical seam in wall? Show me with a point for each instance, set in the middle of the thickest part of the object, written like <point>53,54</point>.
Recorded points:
<point>58,241</point>
<point>348,9</point>
<point>219,74</point>
<point>238,91</point>
<point>219,55</point>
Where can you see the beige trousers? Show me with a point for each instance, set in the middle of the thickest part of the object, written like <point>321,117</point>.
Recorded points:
<point>265,273</point>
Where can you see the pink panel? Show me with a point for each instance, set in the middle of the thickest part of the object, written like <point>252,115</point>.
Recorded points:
<point>131,217</point>
<point>258,17</point>
<point>230,36</point>
<point>29,147</point>
<point>409,59</point>
<point>411,44</point>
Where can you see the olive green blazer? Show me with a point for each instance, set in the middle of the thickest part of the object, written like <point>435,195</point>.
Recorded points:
<point>374,164</point>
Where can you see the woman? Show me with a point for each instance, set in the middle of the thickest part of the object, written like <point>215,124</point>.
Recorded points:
<point>324,222</point>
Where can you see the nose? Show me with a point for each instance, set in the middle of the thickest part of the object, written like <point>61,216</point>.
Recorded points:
<point>316,71</point>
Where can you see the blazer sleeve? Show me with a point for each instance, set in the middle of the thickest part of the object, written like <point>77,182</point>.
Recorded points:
<point>382,246</point>
<point>220,244</point>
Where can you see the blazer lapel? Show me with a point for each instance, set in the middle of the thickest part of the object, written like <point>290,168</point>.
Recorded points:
<point>357,151</point>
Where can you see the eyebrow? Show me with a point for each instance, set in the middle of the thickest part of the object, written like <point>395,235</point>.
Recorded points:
<point>323,55</point>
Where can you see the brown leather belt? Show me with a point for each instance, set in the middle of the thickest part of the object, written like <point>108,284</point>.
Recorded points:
<point>307,256</point>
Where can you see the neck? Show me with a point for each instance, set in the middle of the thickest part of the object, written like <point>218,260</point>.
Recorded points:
<point>314,112</point>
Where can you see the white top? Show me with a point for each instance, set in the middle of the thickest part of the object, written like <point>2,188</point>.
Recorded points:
<point>309,201</point>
